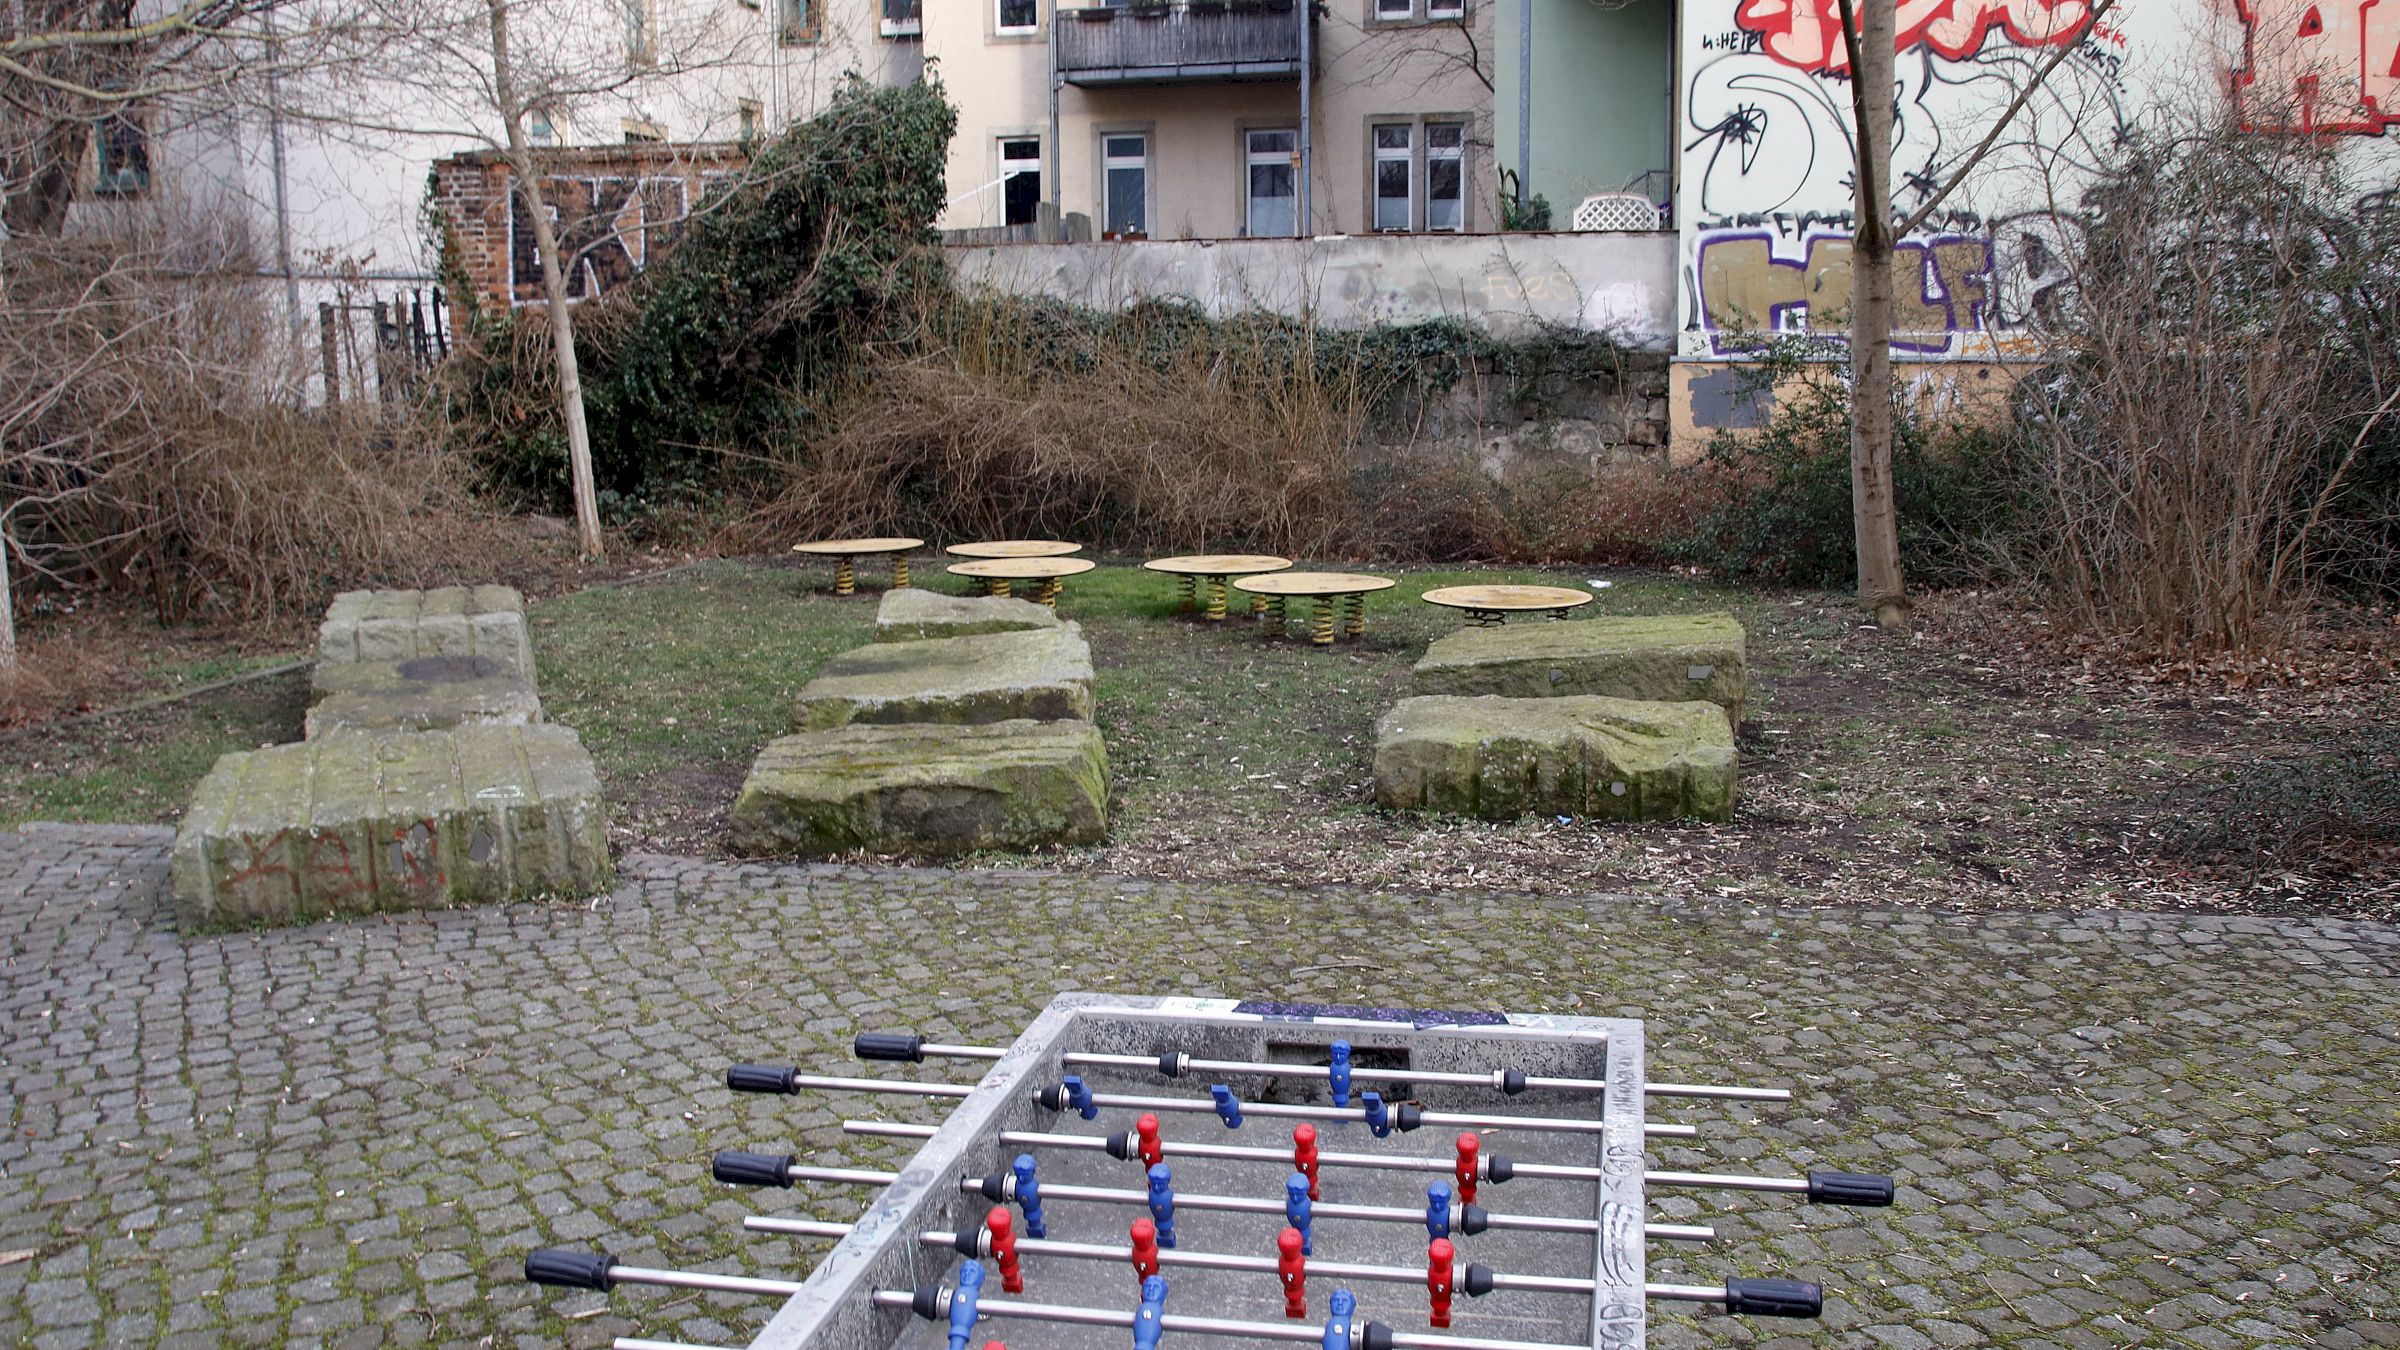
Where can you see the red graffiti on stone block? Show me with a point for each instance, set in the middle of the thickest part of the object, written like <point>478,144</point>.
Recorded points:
<point>329,870</point>
<point>2319,65</point>
<point>414,861</point>
<point>262,883</point>
<point>1807,34</point>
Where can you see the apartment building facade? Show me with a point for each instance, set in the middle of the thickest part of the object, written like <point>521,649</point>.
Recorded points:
<point>1217,119</point>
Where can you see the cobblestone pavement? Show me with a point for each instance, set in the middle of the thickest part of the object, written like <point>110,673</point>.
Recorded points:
<point>2112,1130</point>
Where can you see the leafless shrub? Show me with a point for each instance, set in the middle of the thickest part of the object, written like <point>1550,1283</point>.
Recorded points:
<point>1130,442</point>
<point>2222,370</point>
<point>149,440</point>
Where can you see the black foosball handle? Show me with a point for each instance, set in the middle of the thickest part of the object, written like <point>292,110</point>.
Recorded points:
<point>571,1269</point>
<point>1849,1188</point>
<point>1774,1298</point>
<point>752,1169</point>
<point>762,1078</point>
<point>904,1047</point>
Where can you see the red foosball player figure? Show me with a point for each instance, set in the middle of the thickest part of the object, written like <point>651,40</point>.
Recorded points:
<point>1469,1146</point>
<point>1438,1257</point>
<point>1292,1267</point>
<point>1004,1250</point>
<point>1145,1249</point>
<point>1304,1156</point>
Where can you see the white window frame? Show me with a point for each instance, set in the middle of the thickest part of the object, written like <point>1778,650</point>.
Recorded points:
<point>1001,27</point>
<point>887,26</point>
<point>1110,162</point>
<point>1385,11</point>
<point>1016,168</point>
<point>1445,9</point>
<point>796,29</point>
<point>1379,155</point>
<point>1456,152</point>
<point>1252,157</point>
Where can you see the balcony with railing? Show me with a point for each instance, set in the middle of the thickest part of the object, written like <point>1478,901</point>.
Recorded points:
<point>1193,41</point>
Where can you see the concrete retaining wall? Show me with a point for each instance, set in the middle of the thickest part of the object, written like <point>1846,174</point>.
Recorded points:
<point>1622,284</point>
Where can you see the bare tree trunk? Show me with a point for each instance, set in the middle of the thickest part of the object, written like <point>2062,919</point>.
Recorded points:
<point>1874,516</point>
<point>554,290</point>
<point>8,606</point>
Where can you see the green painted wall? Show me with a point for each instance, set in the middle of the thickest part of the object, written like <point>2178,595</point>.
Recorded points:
<point>1603,96</point>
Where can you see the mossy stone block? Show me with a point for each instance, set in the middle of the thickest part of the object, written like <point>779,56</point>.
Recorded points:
<point>421,693</point>
<point>915,614</point>
<point>1600,758</point>
<point>1041,674</point>
<point>409,820</point>
<point>1668,658</point>
<point>925,789</point>
<point>486,621</point>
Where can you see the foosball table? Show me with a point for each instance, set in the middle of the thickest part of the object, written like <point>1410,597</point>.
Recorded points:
<point>1354,1178</point>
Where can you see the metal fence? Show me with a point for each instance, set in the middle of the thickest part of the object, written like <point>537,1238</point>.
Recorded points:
<point>380,348</point>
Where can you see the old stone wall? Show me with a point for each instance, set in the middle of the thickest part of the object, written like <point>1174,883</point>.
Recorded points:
<point>615,207</point>
<point>1602,414</point>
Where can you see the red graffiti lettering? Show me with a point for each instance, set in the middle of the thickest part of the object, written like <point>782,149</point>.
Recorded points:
<point>330,875</point>
<point>1807,34</point>
<point>263,883</point>
<point>2314,66</point>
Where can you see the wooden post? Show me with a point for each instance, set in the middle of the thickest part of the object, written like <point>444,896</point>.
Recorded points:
<point>329,353</point>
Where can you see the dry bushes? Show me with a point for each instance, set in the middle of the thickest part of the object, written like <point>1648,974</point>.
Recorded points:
<point>1125,441</point>
<point>1160,430</point>
<point>2226,374</point>
<point>152,440</point>
<point>1615,515</point>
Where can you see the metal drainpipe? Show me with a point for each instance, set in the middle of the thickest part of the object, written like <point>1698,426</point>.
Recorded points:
<point>283,202</point>
<point>1308,56</point>
<point>1524,99</point>
<point>1058,152</point>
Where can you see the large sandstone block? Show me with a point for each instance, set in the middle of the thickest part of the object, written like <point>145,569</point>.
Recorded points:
<point>487,621</point>
<point>927,789</point>
<point>915,614</point>
<point>1670,658</point>
<point>1043,674</point>
<point>422,693</point>
<point>412,820</point>
<point>1604,758</point>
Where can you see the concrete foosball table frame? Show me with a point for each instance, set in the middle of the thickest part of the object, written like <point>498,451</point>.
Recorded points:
<point>914,1257</point>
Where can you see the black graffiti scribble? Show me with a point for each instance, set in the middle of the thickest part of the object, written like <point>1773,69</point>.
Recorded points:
<point>1745,126</point>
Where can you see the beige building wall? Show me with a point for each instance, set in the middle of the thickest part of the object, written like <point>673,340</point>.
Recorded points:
<point>1369,72</point>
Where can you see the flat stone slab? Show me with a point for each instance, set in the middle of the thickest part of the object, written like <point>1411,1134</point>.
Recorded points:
<point>915,614</point>
<point>1043,674</point>
<point>413,820</point>
<point>422,693</point>
<point>1670,658</point>
<point>925,789</point>
<point>484,621</point>
<point>1581,755</point>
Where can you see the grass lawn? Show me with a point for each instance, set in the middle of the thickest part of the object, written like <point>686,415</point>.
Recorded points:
<point>1874,770</point>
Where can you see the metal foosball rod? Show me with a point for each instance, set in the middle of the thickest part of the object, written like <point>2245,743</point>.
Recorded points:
<point>937,1302</point>
<point>907,1047</point>
<point>1072,1095</point>
<point>1771,1298</point>
<point>767,1169</point>
<point>567,1269</point>
<point>1821,1186</point>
